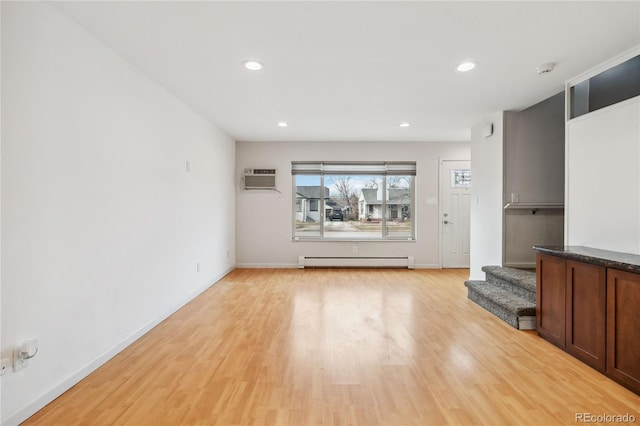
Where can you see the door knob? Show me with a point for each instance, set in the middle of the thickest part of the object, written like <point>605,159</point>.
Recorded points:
<point>446,222</point>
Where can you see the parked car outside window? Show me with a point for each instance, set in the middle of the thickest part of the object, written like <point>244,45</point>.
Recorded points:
<point>336,215</point>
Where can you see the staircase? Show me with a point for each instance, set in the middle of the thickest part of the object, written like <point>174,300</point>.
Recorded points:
<point>508,293</point>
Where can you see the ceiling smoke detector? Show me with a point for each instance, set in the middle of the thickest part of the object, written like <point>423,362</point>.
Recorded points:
<point>252,65</point>
<point>545,68</point>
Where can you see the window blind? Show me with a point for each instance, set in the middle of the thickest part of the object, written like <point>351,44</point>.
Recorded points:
<point>404,168</point>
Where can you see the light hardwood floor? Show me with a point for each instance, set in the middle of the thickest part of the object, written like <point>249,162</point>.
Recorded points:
<point>338,347</point>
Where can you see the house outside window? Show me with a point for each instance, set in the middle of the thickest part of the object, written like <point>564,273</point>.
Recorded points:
<point>375,200</point>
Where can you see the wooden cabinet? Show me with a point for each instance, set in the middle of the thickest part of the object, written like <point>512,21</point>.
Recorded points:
<point>623,328</point>
<point>550,296</point>
<point>570,309</point>
<point>585,315</point>
<point>592,311</point>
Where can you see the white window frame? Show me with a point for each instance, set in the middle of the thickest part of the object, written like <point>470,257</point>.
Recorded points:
<point>382,169</point>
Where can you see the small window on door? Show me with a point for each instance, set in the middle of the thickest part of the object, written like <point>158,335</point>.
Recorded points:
<point>460,178</point>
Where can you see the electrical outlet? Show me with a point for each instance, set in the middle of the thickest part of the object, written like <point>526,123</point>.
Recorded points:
<point>7,363</point>
<point>515,197</point>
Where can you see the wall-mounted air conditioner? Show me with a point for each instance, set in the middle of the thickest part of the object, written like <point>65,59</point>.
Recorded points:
<point>259,179</point>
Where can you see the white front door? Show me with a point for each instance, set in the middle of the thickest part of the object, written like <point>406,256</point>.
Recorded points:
<point>455,201</point>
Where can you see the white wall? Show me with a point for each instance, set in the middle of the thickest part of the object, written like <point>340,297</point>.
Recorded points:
<point>1,354</point>
<point>486,196</point>
<point>102,226</point>
<point>603,178</point>
<point>264,219</point>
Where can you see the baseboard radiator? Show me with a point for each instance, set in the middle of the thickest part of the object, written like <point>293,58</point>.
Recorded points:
<point>355,262</point>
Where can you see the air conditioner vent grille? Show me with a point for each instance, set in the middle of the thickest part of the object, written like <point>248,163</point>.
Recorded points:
<point>259,171</point>
<point>259,182</point>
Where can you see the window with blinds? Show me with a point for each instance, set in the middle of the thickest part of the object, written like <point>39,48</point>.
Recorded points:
<point>353,200</point>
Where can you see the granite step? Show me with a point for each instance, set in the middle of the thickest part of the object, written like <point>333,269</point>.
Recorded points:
<point>517,281</point>
<point>517,311</point>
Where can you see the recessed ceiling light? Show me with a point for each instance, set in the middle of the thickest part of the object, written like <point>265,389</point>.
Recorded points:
<point>467,66</point>
<point>252,65</point>
<point>283,124</point>
<point>405,124</point>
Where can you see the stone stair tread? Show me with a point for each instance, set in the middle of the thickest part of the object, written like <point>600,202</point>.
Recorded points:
<point>507,316</point>
<point>519,277</point>
<point>504,298</point>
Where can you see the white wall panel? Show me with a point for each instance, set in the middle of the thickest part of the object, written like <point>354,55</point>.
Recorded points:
<point>102,225</point>
<point>603,179</point>
<point>486,195</point>
<point>264,218</point>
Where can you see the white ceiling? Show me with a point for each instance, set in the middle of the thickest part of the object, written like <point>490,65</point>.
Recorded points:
<point>352,71</point>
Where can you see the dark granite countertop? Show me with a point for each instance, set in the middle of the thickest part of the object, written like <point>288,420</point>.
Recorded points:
<point>610,259</point>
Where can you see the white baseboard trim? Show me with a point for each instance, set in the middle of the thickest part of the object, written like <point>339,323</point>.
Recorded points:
<point>356,262</point>
<point>37,404</point>
<point>296,266</point>
<point>266,265</point>
<point>527,323</point>
<point>427,266</point>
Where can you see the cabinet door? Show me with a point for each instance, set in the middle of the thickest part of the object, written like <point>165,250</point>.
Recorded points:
<point>623,328</point>
<point>586,307</point>
<point>550,295</point>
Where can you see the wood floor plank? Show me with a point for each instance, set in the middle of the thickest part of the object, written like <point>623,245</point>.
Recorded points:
<point>338,347</point>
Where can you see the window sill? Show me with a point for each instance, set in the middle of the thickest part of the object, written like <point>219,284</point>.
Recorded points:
<point>352,240</point>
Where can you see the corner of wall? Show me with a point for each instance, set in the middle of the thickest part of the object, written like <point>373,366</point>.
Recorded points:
<point>486,193</point>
